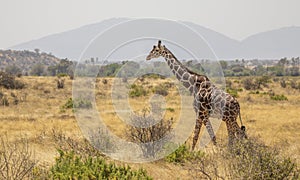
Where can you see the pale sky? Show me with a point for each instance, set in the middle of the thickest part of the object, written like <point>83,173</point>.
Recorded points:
<point>25,20</point>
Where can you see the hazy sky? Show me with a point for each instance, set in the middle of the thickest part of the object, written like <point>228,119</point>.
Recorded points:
<point>24,20</point>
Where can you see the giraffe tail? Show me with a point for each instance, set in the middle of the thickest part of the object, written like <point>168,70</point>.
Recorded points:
<point>241,118</point>
<point>238,105</point>
<point>243,128</point>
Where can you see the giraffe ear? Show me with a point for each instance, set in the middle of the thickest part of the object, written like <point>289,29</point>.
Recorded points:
<point>159,43</point>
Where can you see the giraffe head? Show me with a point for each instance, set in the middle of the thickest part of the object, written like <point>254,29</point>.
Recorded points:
<point>157,51</point>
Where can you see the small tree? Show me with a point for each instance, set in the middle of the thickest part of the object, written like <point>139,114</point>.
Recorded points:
<point>37,51</point>
<point>13,69</point>
<point>37,70</point>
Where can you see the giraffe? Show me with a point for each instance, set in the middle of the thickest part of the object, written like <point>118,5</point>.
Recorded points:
<point>208,99</point>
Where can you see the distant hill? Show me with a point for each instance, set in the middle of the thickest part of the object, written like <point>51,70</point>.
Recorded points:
<point>284,42</point>
<point>25,59</point>
<point>71,43</point>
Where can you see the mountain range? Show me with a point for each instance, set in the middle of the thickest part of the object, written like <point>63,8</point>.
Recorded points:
<point>274,44</point>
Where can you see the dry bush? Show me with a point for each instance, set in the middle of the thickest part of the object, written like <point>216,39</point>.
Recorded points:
<point>101,140</point>
<point>147,132</point>
<point>9,82</point>
<point>104,81</point>
<point>295,85</point>
<point>228,84</point>
<point>60,83</point>
<point>81,147</point>
<point>248,84</point>
<point>254,84</point>
<point>3,100</point>
<point>16,160</point>
<point>283,83</point>
<point>252,159</point>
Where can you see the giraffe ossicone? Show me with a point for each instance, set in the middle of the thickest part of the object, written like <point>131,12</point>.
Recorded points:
<point>208,99</point>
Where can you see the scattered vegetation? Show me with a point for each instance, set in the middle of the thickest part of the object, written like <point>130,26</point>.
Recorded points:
<point>250,159</point>
<point>257,83</point>
<point>10,82</point>
<point>65,67</point>
<point>137,91</point>
<point>277,97</point>
<point>25,61</point>
<point>109,70</point>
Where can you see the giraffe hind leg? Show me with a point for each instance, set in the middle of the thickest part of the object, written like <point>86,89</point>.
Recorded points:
<point>231,132</point>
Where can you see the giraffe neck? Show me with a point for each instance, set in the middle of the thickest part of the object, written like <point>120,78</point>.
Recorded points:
<point>182,73</point>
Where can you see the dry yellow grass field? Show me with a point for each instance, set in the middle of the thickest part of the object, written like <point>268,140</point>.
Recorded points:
<point>39,116</point>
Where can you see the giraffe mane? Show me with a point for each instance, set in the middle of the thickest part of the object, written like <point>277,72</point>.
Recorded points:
<point>186,68</point>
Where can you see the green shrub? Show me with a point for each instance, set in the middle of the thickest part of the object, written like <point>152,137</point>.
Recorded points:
<point>254,92</point>
<point>77,103</point>
<point>277,97</point>
<point>170,109</point>
<point>232,92</point>
<point>183,154</point>
<point>137,91</point>
<point>71,166</point>
<point>62,75</point>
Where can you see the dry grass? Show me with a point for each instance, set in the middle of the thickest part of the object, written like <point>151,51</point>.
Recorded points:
<point>39,113</point>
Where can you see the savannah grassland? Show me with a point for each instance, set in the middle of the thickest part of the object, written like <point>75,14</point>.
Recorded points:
<point>40,117</point>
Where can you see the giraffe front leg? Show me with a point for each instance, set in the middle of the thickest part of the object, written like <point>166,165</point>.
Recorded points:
<point>196,132</point>
<point>210,131</point>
